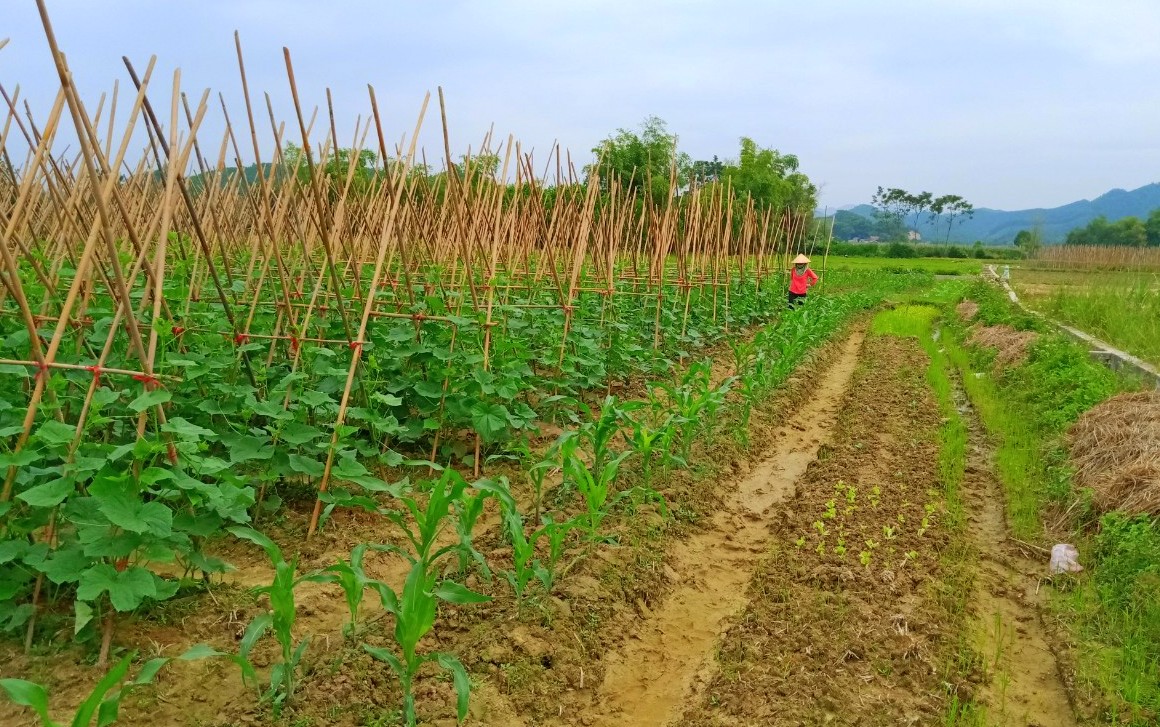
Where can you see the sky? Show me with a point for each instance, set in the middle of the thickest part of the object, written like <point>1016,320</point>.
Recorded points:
<point>1010,103</point>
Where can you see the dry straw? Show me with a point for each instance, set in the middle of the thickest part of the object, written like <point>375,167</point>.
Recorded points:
<point>1115,449</point>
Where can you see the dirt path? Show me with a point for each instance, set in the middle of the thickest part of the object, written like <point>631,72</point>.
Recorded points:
<point>651,678</point>
<point>1025,687</point>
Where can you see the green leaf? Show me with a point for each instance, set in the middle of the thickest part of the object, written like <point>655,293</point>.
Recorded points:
<point>150,399</point>
<point>66,565</point>
<point>53,432</point>
<point>307,466</point>
<point>452,592</point>
<point>49,494</point>
<point>490,420</point>
<point>387,399</point>
<point>199,651</point>
<point>386,656</point>
<point>28,694</point>
<point>299,433</point>
<point>149,671</point>
<point>22,458</point>
<point>459,676</point>
<point>84,614</point>
<point>186,429</point>
<point>245,448</point>
<point>126,589</point>
<point>260,540</point>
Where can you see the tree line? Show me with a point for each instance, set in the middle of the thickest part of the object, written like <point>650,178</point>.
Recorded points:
<point>1127,232</point>
<point>900,205</point>
<point>645,162</point>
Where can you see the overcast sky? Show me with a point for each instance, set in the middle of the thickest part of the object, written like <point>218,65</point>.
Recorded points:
<point>1011,103</point>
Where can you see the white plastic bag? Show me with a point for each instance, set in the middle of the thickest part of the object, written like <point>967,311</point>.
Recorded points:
<point>1064,559</point>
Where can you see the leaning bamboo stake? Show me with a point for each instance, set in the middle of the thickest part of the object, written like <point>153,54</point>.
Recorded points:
<point>385,242</point>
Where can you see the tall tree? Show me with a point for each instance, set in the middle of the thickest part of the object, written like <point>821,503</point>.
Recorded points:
<point>770,178</point>
<point>641,160</point>
<point>953,207</point>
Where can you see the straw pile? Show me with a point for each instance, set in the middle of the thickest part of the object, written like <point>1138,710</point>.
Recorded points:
<point>1115,449</point>
<point>967,309</point>
<point>1011,344</point>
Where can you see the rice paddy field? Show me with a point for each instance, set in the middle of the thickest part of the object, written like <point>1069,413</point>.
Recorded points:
<point>440,449</point>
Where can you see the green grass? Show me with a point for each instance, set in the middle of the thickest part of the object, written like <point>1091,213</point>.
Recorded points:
<point>1112,611</point>
<point>1126,316</point>
<point>933,265</point>
<point>957,561</point>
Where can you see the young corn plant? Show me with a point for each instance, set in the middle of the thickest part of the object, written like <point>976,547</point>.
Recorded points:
<point>103,701</point>
<point>415,610</point>
<point>596,485</point>
<point>283,612</point>
<point>525,565</point>
<point>353,580</point>
<point>645,440</point>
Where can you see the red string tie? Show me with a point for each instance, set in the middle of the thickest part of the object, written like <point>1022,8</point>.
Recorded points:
<point>41,368</point>
<point>149,380</point>
<point>241,338</point>
<point>418,317</point>
<point>566,308</point>
<point>178,330</point>
<point>96,372</point>
<point>294,344</point>
<point>356,345</point>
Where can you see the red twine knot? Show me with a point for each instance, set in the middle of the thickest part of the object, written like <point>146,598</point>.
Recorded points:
<point>96,372</point>
<point>294,343</point>
<point>178,330</point>
<point>356,345</point>
<point>41,369</point>
<point>149,380</point>
<point>241,338</point>
<point>417,317</point>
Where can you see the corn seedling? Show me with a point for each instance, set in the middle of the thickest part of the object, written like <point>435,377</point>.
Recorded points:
<point>283,612</point>
<point>353,580</point>
<point>415,613</point>
<point>103,701</point>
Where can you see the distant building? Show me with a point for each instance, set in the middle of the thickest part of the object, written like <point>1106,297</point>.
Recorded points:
<point>913,235</point>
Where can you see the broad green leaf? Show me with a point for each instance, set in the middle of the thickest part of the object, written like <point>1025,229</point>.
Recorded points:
<point>186,429</point>
<point>28,694</point>
<point>245,448</point>
<point>149,671</point>
<point>490,420</point>
<point>299,433</point>
<point>150,399</point>
<point>49,494</point>
<point>306,465</point>
<point>53,432</point>
<point>452,592</point>
<point>387,399</point>
<point>127,589</point>
<point>83,615</point>
<point>66,565</point>
<point>22,458</point>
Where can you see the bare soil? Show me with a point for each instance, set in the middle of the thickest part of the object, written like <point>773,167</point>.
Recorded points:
<point>1025,688</point>
<point>646,682</point>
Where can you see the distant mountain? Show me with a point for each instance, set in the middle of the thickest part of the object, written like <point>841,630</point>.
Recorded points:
<point>1000,226</point>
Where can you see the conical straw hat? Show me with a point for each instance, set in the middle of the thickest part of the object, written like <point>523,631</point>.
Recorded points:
<point>800,260</point>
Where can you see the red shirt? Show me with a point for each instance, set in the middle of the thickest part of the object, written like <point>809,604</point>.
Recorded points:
<point>798,284</point>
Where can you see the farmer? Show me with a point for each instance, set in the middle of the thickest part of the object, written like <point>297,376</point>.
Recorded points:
<point>800,280</point>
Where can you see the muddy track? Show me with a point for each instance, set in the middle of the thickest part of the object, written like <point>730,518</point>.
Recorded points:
<point>1025,688</point>
<point>648,681</point>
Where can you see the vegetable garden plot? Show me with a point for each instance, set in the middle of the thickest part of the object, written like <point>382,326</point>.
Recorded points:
<point>844,624</point>
<point>182,349</point>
